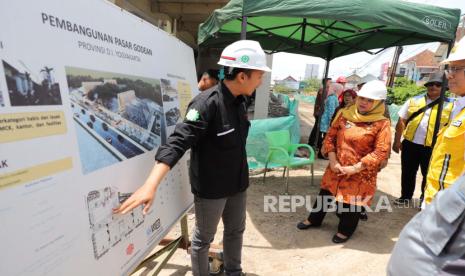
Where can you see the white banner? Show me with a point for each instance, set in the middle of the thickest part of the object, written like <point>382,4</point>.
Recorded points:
<point>88,92</point>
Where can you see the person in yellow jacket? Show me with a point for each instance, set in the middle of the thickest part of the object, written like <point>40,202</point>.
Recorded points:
<point>448,157</point>
<point>417,118</point>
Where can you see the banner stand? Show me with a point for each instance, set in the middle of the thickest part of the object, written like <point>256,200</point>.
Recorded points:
<point>162,256</point>
<point>81,115</point>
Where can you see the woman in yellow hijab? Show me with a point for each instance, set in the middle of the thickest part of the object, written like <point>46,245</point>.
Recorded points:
<point>356,143</point>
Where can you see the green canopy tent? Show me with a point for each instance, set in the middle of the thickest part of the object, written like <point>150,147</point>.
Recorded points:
<point>329,28</point>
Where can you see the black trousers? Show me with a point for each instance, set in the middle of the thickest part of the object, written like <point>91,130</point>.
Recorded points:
<point>312,137</point>
<point>349,216</point>
<point>413,156</point>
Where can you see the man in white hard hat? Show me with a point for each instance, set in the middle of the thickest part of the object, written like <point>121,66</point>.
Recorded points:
<point>447,160</point>
<point>433,242</point>
<point>215,129</point>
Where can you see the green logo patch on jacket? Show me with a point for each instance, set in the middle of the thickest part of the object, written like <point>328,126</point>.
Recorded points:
<point>192,115</point>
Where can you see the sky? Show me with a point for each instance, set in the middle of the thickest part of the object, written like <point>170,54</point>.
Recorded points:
<point>285,64</point>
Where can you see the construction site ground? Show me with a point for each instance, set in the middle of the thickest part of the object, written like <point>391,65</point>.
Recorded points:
<point>274,246</point>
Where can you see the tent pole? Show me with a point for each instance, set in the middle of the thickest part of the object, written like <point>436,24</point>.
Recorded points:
<point>395,61</point>
<point>323,96</point>
<point>304,26</point>
<point>244,28</point>
<point>441,101</point>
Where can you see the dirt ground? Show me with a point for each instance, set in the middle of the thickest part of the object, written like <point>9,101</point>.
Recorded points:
<point>274,246</point>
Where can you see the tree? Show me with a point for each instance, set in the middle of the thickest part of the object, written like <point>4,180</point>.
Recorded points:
<point>403,90</point>
<point>143,90</point>
<point>279,88</point>
<point>48,74</point>
<point>76,81</point>
<point>312,85</point>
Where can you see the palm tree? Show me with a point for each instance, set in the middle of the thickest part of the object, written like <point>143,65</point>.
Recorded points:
<point>48,75</point>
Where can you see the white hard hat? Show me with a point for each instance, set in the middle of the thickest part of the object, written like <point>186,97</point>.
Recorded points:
<point>457,53</point>
<point>375,90</point>
<point>247,54</point>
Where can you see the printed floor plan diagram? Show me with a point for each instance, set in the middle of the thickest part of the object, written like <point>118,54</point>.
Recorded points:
<point>107,228</point>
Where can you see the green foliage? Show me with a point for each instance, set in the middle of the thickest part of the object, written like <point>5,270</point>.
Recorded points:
<point>104,92</point>
<point>76,81</point>
<point>279,88</point>
<point>403,89</point>
<point>142,89</point>
<point>312,85</point>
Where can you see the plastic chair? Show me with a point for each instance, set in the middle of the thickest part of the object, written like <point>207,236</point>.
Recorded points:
<point>281,153</point>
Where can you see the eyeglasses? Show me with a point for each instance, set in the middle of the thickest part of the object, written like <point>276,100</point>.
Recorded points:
<point>437,84</point>
<point>453,70</point>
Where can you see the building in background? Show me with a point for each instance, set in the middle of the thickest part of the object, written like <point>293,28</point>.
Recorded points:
<point>383,74</point>
<point>311,71</point>
<point>419,66</point>
<point>124,99</point>
<point>353,80</point>
<point>288,82</point>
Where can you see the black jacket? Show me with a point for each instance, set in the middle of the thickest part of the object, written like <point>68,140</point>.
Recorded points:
<point>215,128</point>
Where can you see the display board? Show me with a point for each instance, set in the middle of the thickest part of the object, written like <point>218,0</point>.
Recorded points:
<point>88,92</point>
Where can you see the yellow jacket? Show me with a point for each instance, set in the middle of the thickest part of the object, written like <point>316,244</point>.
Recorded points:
<point>415,104</point>
<point>447,160</point>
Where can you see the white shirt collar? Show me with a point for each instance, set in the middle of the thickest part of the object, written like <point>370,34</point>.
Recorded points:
<point>460,102</point>
<point>458,106</point>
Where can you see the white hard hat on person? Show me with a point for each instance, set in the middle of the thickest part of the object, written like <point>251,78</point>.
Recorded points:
<point>375,90</point>
<point>457,52</point>
<point>247,54</point>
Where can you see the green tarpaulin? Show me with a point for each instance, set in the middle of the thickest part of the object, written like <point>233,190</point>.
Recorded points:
<point>329,28</point>
<point>257,146</point>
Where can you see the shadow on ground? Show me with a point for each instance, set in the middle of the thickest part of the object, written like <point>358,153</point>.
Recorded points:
<point>377,235</point>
